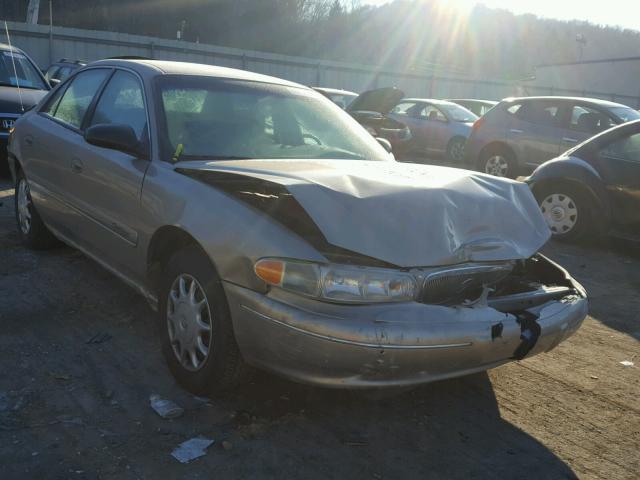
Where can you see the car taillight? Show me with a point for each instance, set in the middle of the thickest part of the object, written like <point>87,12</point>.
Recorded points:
<point>478,123</point>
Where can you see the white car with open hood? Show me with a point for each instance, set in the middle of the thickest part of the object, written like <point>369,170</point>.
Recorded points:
<point>269,229</point>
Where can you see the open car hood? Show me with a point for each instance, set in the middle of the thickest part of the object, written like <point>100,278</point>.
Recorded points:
<point>403,214</point>
<point>381,100</point>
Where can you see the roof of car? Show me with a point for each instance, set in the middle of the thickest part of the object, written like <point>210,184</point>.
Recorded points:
<point>594,101</point>
<point>488,102</point>
<point>163,67</point>
<point>335,91</point>
<point>4,46</point>
<point>428,100</point>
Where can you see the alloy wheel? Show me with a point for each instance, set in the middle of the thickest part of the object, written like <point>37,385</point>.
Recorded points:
<point>497,165</point>
<point>560,212</point>
<point>457,151</point>
<point>24,206</point>
<point>189,322</point>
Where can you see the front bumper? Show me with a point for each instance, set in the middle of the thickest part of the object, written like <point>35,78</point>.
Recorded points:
<point>391,344</point>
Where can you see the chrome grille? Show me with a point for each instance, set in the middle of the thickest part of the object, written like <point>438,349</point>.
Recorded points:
<point>461,282</point>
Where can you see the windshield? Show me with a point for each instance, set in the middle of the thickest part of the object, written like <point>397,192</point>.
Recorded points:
<point>209,118</point>
<point>27,75</point>
<point>625,114</point>
<point>458,113</point>
<point>343,100</point>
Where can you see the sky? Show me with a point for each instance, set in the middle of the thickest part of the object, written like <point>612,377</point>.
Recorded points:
<point>624,13</point>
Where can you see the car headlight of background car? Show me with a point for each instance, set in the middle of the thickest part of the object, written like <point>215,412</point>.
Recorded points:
<point>338,283</point>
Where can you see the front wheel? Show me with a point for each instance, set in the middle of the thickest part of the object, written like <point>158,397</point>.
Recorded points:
<point>195,326</point>
<point>31,229</point>
<point>568,212</point>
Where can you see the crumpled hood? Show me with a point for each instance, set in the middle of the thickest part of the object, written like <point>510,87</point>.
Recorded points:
<point>10,99</point>
<point>405,214</point>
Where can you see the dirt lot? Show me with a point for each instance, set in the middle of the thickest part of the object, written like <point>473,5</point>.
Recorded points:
<point>79,359</point>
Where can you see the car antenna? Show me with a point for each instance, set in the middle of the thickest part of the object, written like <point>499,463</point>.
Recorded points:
<point>13,61</point>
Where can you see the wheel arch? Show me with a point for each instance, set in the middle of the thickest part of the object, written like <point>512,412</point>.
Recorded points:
<point>165,241</point>
<point>574,174</point>
<point>494,146</point>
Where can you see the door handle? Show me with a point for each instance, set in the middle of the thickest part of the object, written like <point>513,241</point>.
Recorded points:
<point>76,165</point>
<point>570,140</point>
<point>28,141</point>
<point>515,130</point>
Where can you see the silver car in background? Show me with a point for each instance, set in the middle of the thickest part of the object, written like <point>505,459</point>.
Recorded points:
<point>269,229</point>
<point>438,127</point>
<point>519,134</point>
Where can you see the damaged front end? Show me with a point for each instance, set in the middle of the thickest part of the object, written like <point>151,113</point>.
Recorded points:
<point>367,316</point>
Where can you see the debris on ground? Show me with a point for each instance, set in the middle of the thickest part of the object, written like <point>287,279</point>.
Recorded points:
<point>60,376</point>
<point>165,408</point>
<point>191,449</point>
<point>99,338</point>
<point>627,363</point>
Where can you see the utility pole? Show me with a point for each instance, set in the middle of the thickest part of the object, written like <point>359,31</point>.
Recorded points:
<point>32,11</point>
<point>582,41</point>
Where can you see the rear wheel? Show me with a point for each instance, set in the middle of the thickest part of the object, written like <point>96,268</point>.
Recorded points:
<point>455,150</point>
<point>499,162</point>
<point>195,326</point>
<point>568,211</point>
<point>32,230</point>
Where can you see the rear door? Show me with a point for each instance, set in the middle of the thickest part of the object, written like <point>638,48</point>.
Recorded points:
<point>49,145</point>
<point>107,183</point>
<point>584,121</point>
<point>619,164</point>
<point>536,130</point>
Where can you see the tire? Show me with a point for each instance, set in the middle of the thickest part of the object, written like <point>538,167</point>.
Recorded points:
<point>499,162</point>
<point>223,367</point>
<point>455,150</point>
<point>569,212</point>
<point>31,229</point>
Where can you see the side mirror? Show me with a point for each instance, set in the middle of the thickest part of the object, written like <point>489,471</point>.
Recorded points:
<point>54,82</point>
<point>386,144</point>
<point>114,136</point>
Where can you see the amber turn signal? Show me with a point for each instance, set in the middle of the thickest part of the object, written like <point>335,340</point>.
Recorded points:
<point>269,270</point>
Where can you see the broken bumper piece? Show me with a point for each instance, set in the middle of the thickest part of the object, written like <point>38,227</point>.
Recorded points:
<point>398,344</point>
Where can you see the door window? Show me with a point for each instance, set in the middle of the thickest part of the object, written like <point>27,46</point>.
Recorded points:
<point>52,103</point>
<point>541,113</point>
<point>77,98</point>
<point>121,102</point>
<point>627,148</point>
<point>589,120</point>
<point>432,113</point>
<point>404,108</point>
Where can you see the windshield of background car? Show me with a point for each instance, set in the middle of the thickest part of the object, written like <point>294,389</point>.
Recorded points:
<point>625,114</point>
<point>208,118</point>
<point>25,74</point>
<point>458,113</point>
<point>343,100</point>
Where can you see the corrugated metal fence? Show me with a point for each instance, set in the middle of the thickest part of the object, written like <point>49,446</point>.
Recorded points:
<point>45,45</point>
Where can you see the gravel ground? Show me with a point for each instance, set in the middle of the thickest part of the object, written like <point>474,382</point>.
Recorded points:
<point>79,359</point>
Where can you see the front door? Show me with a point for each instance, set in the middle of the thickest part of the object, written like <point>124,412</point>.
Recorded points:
<point>108,183</point>
<point>620,166</point>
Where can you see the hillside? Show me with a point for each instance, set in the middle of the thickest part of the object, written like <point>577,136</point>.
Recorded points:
<point>414,35</point>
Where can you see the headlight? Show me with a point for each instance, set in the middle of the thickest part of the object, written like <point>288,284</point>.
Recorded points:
<point>338,283</point>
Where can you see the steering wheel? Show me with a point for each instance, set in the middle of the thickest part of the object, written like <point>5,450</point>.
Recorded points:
<point>312,137</point>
